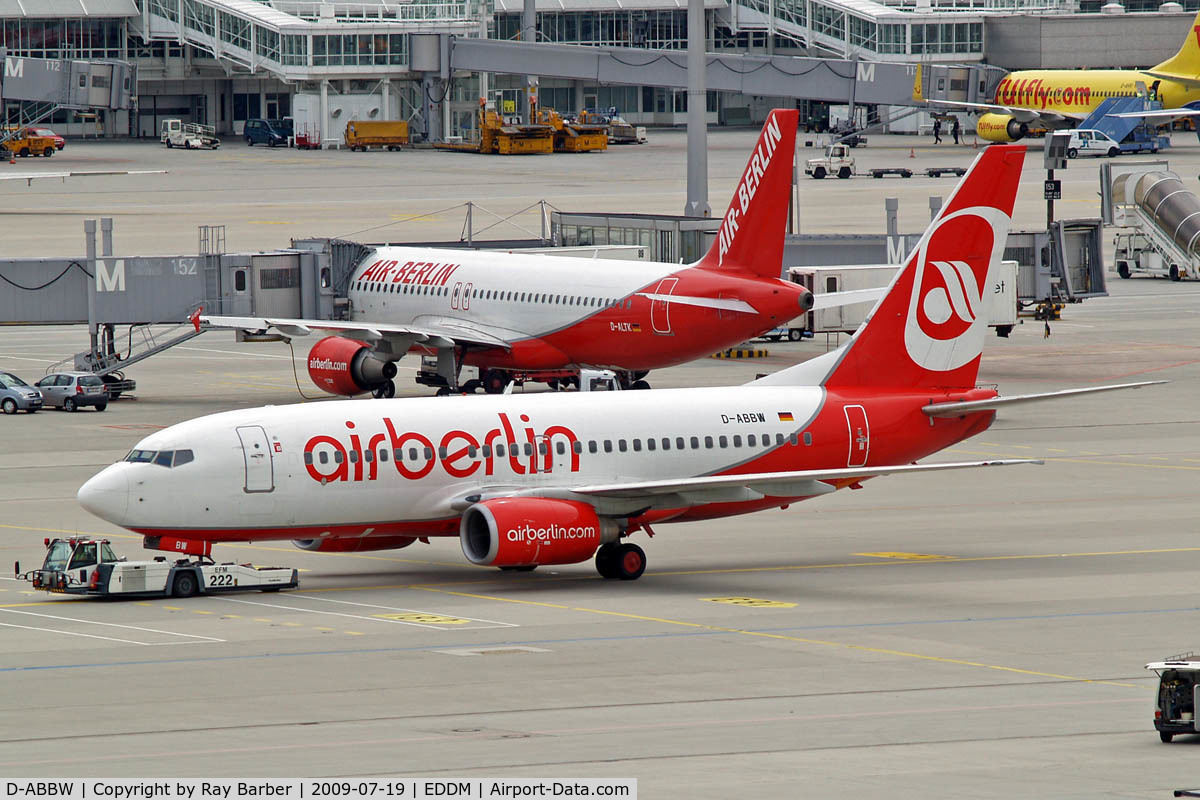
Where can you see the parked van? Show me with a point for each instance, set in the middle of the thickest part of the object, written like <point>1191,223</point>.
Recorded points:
<point>271,132</point>
<point>1089,142</point>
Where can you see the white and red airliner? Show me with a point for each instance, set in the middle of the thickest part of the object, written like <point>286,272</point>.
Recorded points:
<point>555,478</point>
<point>511,313</point>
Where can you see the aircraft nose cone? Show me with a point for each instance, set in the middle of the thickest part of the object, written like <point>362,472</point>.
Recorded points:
<point>107,495</point>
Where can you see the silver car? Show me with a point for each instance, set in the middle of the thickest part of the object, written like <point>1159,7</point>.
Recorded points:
<point>72,390</point>
<point>17,395</point>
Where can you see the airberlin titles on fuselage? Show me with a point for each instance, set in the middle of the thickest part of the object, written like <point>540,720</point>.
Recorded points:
<point>425,273</point>
<point>459,452</point>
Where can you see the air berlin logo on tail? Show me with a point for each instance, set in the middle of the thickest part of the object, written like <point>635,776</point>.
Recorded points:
<point>946,317</point>
<point>767,143</point>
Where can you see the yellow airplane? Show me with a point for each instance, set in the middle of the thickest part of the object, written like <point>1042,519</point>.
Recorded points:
<point>1062,98</point>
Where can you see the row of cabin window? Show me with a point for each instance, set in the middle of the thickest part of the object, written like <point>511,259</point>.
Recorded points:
<point>560,447</point>
<point>494,294</point>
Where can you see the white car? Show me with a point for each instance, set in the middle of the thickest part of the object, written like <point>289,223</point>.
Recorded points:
<point>1089,142</point>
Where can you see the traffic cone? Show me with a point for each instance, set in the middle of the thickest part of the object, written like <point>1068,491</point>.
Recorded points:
<point>912,153</point>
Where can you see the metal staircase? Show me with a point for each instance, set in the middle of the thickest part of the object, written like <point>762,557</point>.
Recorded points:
<point>144,341</point>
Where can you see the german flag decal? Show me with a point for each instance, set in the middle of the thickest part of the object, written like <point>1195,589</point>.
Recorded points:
<point>786,416</point>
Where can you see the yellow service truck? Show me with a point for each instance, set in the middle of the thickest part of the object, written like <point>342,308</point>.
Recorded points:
<point>362,135</point>
<point>24,142</point>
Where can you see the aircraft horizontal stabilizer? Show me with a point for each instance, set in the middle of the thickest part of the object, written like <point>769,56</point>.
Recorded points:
<point>719,303</point>
<point>958,409</point>
<point>847,298</point>
<point>1164,113</point>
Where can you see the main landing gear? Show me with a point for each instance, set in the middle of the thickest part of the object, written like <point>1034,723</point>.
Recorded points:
<point>384,390</point>
<point>620,561</point>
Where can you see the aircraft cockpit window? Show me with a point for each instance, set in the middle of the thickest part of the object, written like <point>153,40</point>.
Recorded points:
<point>140,455</point>
<point>163,459</point>
<point>183,457</point>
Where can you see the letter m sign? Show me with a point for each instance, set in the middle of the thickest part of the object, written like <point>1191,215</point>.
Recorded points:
<point>110,279</point>
<point>14,67</point>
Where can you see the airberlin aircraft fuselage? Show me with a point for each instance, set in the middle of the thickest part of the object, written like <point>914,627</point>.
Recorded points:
<point>407,467</point>
<point>570,312</point>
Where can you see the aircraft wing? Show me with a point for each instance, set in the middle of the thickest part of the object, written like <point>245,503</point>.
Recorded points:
<point>632,497</point>
<point>1190,81</point>
<point>1026,115</point>
<point>958,409</point>
<point>1163,114</point>
<point>369,332</point>
<point>847,298</point>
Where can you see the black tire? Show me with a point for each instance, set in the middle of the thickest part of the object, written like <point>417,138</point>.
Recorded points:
<point>774,338</point>
<point>630,561</point>
<point>494,381</point>
<point>795,334</point>
<point>49,151</point>
<point>1165,737</point>
<point>606,561</point>
<point>1174,273</point>
<point>1114,152</point>
<point>1072,152</point>
<point>472,386</point>
<point>24,152</point>
<point>169,145</point>
<point>844,173</point>
<point>101,406</point>
<point>819,173</point>
<point>249,142</point>
<point>385,390</point>
<point>443,391</point>
<point>114,395</point>
<point>1123,270</point>
<point>70,405</point>
<point>185,584</point>
<point>522,568</point>
<point>639,385</point>
<point>9,406</point>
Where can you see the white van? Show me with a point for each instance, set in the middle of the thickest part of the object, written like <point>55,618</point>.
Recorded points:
<point>1091,143</point>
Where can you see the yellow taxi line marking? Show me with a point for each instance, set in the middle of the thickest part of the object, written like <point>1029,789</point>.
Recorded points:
<point>201,612</point>
<point>748,602</point>
<point>42,603</point>
<point>1054,450</point>
<point>906,556</point>
<point>172,608</point>
<point>859,647</point>
<point>323,629</point>
<point>231,616</point>
<point>293,624</point>
<point>261,619</point>
<point>354,633</point>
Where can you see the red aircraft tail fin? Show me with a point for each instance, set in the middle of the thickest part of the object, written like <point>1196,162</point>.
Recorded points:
<point>751,235</point>
<point>928,330</point>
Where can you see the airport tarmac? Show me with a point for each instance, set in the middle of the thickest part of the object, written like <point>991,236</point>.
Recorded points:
<point>264,196</point>
<point>977,633</point>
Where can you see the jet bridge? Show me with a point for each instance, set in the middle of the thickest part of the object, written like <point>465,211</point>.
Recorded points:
<point>41,86</point>
<point>1162,215</point>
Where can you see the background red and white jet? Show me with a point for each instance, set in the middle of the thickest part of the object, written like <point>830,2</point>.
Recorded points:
<point>555,478</point>
<point>504,312</point>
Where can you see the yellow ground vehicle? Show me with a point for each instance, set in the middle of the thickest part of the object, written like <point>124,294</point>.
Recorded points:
<point>364,134</point>
<point>573,136</point>
<point>498,136</point>
<point>24,142</point>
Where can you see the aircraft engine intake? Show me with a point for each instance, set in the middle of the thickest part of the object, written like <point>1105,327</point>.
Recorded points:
<point>345,366</point>
<point>513,532</point>
<point>353,544</point>
<point>1000,128</point>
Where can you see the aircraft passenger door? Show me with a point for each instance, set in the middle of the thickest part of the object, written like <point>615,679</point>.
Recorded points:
<point>660,310</point>
<point>454,295</point>
<point>860,436</point>
<point>256,450</point>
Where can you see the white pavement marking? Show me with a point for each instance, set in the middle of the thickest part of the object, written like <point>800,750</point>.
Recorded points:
<point>112,625</point>
<point>410,611</point>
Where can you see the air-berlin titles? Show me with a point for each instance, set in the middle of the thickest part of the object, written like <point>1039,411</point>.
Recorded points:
<point>749,185</point>
<point>1033,91</point>
<point>459,453</point>
<point>418,272</point>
